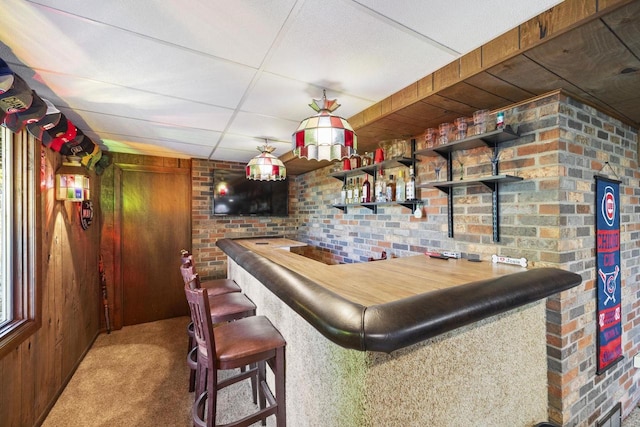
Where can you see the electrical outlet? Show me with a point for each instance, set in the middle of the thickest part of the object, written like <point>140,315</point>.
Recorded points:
<point>451,254</point>
<point>636,361</point>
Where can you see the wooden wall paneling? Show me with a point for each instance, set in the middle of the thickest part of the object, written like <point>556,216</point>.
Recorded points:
<point>603,5</point>
<point>47,376</point>
<point>404,97</point>
<point>11,390</point>
<point>446,76</point>
<point>474,97</point>
<point>374,112</point>
<point>555,21</point>
<point>451,107</point>
<point>28,379</point>
<point>114,242</point>
<point>471,63</point>
<point>561,56</point>
<point>67,304</point>
<point>425,86</point>
<point>500,48</point>
<point>499,87</point>
<point>625,23</point>
<point>530,76</point>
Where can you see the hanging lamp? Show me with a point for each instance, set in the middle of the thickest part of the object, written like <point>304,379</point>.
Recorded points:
<point>265,166</point>
<point>324,136</point>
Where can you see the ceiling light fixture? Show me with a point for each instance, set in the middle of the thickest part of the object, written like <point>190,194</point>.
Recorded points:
<point>265,166</point>
<point>324,136</point>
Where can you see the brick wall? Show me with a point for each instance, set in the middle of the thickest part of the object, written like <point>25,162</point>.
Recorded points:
<point>207,228</point>
<point>548,217</point>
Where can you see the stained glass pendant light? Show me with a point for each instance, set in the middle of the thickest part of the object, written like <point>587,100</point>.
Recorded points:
<point>265,166</point>
<point>324,136</point>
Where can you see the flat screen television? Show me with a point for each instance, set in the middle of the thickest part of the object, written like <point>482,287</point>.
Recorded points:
<point>234,194</point>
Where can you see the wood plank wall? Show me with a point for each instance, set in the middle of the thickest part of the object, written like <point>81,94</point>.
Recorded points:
<point>35,372</point>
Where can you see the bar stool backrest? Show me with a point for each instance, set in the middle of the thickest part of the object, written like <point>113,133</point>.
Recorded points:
<point>202,323</point>
<point>189,275</point>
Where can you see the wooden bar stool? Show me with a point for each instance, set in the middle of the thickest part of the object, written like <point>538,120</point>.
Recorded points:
<point>223,308</point>
<point>252,341</point>
<point>213,287</point>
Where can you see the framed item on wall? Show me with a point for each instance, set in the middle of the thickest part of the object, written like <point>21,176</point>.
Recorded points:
<point>608,293</point>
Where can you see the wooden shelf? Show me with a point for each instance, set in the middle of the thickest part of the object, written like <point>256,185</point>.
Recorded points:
<point>490,139</point>
<point>372,169</point>
<point>489,181</point>
<point>373,206</point>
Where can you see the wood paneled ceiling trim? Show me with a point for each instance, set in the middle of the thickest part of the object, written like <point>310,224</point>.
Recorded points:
<point>558,20</point>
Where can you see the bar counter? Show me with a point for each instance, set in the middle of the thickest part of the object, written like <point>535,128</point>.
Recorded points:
<point>404,341</point>
<point>389,304</point>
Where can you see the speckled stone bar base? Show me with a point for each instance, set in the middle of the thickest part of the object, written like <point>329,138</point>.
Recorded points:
<point>491,373</point>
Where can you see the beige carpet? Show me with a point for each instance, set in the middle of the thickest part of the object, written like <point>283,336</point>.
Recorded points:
<point>138,376</point>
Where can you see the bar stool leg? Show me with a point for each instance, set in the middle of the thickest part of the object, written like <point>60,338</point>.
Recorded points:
<point>279,372</point>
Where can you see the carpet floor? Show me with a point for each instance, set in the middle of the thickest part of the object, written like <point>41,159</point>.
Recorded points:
<point>138,376</point>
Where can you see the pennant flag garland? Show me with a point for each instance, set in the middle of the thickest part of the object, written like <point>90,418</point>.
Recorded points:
<point>20,106</point>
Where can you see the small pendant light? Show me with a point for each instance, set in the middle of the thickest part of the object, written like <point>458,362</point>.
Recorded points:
<point>265,166</point>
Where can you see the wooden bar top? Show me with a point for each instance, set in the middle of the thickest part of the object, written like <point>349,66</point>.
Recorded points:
<point>382,281</point>
<point>390,304</point>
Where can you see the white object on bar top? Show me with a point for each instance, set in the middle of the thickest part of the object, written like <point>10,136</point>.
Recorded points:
<point>506,260</point>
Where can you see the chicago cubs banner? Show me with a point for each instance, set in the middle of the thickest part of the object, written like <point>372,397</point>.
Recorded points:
<point>609,328</point>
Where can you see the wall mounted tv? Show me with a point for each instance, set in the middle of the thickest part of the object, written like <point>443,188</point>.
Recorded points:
<point>234,194</point>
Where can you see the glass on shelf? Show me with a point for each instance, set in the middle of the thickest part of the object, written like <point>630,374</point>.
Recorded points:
<point>437,167</point>
<point>461,127</point>
<point>400,147</point>
<point>443,133</point>
<point>480,118</point>
<point>367,159</point>
<point>431,138</point>
<point>387,148</point>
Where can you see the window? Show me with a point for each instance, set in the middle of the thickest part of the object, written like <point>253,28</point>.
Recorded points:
<point>19,308</point>
<point>5,295</point>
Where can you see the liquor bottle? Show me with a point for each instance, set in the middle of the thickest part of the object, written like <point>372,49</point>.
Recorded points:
<point>366,190</point>
<point>350,191</point>
<point>356,191</point>
<point>380,190</point>
<point>401,194</point>
<point>343,192</point>
<point>411,186</point>
<point>391,189</point>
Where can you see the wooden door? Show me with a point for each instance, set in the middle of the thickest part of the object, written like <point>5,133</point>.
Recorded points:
<point>155,224</point>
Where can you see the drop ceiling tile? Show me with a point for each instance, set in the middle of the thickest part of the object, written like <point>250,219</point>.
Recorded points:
<point>130,60</point>
<point>149,147</point>
<point>286,98</point>
<point>250,145</point>
<point>215,27</point>
<point>87,96</point>
<point>461,25</point>
<point>347,50</point>
<point>256,126</point>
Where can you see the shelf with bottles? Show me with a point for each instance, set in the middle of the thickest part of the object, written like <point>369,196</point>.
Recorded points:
<point>373,206</point>
<point>374,168</point>
<point>387,197</point>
